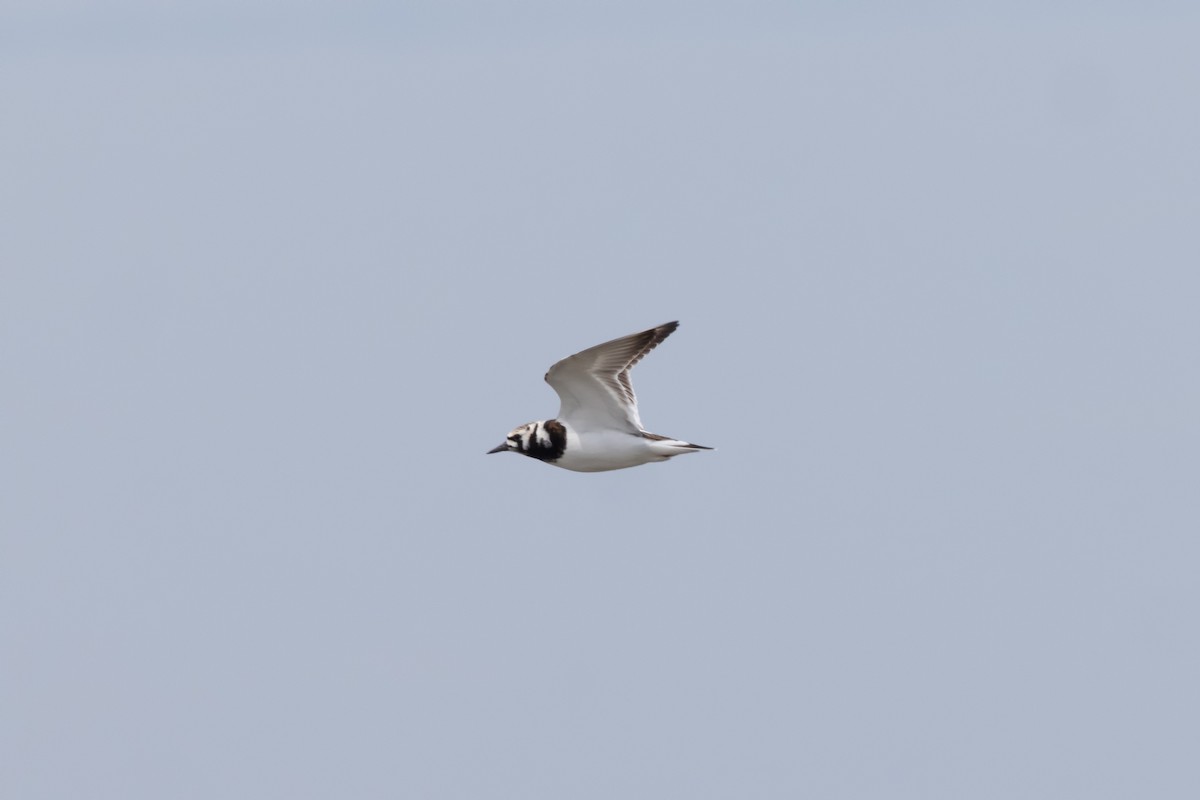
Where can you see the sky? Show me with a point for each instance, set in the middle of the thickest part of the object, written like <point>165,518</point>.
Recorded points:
<point>276,276</point>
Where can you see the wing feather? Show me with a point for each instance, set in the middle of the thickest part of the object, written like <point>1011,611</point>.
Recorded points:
<point>594,384</point>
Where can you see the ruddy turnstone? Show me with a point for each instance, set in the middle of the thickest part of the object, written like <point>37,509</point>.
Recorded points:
<point>598,427</point>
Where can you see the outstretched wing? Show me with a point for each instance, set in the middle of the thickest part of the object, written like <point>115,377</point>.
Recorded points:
<point>594,386</point>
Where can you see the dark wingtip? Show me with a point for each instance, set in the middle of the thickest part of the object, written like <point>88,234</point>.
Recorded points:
<point>658,335</point>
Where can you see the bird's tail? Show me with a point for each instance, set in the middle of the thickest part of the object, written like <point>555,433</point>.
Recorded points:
<point>667,447</point>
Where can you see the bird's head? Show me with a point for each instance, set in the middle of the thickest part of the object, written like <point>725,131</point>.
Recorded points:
<point>519,440</point>
<point>545,440</point>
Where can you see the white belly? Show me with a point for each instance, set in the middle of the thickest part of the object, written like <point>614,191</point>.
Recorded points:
<point>606,450</point>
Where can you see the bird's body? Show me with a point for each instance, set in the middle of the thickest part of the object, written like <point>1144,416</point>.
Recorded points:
<point>598,427</point>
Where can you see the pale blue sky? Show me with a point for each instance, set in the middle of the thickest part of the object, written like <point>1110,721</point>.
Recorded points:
<point>276,276</point>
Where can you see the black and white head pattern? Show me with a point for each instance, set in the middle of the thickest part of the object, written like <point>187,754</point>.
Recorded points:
<point>545,440</point>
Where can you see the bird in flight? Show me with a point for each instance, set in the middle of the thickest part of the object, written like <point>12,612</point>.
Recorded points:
<point>598,427</point>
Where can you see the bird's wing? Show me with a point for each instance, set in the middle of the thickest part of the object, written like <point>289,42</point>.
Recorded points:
<point>594,386</point>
